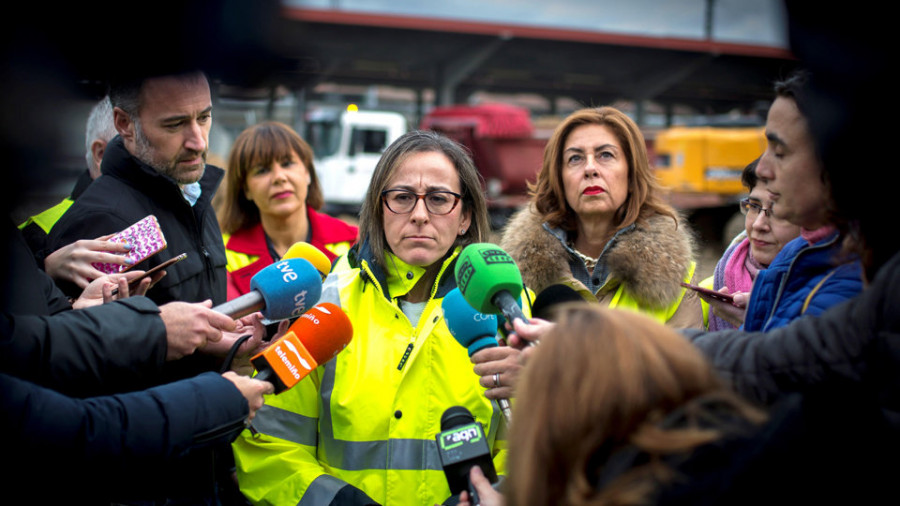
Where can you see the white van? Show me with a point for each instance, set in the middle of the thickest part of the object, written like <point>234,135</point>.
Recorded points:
<point>346,146</point>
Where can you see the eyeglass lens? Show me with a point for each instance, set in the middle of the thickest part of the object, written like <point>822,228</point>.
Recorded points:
<point>750,207</point>
<point>404,201</point>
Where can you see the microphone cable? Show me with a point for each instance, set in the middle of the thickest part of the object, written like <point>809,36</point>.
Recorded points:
<point>226,366</point>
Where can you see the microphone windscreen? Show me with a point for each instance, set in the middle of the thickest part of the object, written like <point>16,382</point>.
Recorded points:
<point>482,270</point>
<point>472,329</point>
<point>546,301</point>
<point>324,330</point>
<point>289,287</point>
<point>456,416</point>
<point>312,254</point>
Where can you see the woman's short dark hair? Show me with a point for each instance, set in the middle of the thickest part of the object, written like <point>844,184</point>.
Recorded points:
<point>749,177</point>
<point>371,219</point>
<point>261,145</point>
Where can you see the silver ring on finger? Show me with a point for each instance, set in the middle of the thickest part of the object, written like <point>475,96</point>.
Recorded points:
<point>497,379</point>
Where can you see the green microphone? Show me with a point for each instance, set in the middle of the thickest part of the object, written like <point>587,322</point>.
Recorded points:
<point>487,278</point>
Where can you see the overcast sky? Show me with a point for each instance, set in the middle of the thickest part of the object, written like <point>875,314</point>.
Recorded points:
<point>744,21</point>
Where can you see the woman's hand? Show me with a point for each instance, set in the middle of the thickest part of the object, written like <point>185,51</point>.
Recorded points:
<point>252,389</point>
<point>526,335</point>
<point>283,327</point>
<point>487,496</point>
<point>499,370</point>
<point>73,261</point>
<point>250,324</point>
<point>731,313</point>
<point>100,291</point>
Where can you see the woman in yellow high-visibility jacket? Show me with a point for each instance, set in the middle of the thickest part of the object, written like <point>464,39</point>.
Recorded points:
<point>361,429</point>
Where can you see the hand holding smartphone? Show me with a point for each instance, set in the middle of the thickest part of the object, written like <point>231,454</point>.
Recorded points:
<point>146,239</point>
<point>136,281</point>
<point>710,293</point>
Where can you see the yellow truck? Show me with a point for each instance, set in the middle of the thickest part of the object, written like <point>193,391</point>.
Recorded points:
<point>701,168</point>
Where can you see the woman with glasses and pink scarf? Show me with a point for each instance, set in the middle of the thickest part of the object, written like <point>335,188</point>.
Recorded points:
<point>752,250</point>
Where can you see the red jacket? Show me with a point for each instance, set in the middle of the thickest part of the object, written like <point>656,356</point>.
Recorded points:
<point>331,235</point>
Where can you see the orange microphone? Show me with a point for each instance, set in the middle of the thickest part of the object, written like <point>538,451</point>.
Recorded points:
<point>315,338</point>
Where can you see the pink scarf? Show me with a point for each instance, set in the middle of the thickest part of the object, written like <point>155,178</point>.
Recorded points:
<point>741,269</point>
<point>816,235</point>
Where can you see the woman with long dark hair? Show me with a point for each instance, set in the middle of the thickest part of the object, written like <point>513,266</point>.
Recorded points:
<point>271,201</point>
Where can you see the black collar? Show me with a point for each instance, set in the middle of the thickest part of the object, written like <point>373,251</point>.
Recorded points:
<point>118,162</point>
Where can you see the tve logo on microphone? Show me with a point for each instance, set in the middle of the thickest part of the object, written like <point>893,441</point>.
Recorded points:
<point>299,304</point>
<point>289,276</point>
<point>285,267</point>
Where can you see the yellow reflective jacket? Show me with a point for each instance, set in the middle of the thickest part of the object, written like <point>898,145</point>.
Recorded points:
<point>369,417</point>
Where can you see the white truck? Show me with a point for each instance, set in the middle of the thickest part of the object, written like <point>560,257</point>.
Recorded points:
<point>346,146</point>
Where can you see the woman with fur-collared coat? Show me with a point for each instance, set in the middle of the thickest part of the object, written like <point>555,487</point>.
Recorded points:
<point>597,223</point>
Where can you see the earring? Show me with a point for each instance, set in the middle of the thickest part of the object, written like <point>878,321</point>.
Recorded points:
<point>462,232</point>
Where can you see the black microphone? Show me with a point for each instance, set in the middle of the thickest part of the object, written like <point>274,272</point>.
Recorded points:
<point>545,302</point>
<point>461,445</point>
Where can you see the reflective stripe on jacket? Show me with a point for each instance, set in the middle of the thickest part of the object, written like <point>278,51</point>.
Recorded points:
<point>369,417</point>
<point>683,312</point>
<point>47,218</point>
<point>621,299</point>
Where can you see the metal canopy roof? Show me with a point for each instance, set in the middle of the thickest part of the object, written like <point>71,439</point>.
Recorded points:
<point>590,67</point>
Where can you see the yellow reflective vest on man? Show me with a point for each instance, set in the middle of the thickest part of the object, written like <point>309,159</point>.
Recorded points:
<point>366,421</point>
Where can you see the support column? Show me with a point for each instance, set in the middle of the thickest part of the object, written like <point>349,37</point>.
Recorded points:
<point>454,71</point>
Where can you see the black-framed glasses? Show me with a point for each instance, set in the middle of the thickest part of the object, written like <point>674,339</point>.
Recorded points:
<point>436,202</point>
<point>749,207</point>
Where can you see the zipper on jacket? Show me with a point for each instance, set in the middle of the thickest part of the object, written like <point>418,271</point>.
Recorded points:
<point>198,220</point>
<point>364,272</point>
<point>406,354</point>
<point>434,289</point>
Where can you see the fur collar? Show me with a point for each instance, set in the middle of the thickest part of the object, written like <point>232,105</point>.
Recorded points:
<point>651,260</point>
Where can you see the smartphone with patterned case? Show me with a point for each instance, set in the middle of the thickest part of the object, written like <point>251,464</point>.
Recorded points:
<point>146,239</point>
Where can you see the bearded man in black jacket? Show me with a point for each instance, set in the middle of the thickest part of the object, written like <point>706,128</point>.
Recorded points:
<point>157,165</point>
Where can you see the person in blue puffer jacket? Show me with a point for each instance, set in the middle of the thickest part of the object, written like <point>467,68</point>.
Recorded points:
<point>810,275</point>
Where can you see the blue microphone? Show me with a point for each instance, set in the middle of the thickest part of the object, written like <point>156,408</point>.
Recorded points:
<point>285,289</point>
<point>474,330</point>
